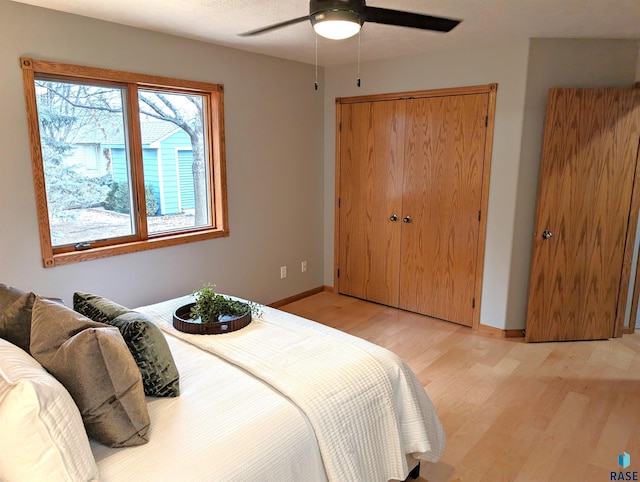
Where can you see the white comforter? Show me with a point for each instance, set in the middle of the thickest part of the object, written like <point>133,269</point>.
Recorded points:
<point>365,405</point>
<point>226,426</point>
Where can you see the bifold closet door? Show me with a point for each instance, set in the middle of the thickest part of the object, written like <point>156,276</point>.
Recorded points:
<point>372,148</point>
<point>443,172</point>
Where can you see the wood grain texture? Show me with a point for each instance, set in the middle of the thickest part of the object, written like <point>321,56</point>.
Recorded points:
<point>443,177</point>
<point>28,79</point>
<point>512,411</point>
<point>586,183</point>
<point>482,231</point>
<point>58,69</point>
<point>371,163</point>
<point>626,283</point>
<point>420,94</point>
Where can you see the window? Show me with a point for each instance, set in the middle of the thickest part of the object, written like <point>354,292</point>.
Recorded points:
<point>123,162</point>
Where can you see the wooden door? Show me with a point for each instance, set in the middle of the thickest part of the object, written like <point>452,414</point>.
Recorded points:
<point>443,177</point>
<point>371,151</point>
<point>584,206</point>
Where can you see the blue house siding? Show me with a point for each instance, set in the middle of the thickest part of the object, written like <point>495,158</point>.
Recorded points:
<point>169,148</point>
<point>151,175</point>
<point>150,166</point>
<point>167,169</point>
<point>185,169</point>
<point>119,164</point>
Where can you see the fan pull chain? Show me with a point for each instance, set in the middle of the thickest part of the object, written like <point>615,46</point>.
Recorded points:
<point>316,83</point>
<point>358,81</point>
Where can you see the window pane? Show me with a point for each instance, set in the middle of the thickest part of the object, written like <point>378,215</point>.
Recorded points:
<point>176,171</point>
<point>85,160</point>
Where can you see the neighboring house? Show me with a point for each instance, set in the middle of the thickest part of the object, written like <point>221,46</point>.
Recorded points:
<point>167,158</point>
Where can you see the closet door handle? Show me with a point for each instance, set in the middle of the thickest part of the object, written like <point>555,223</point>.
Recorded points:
<point>406,219</point>
<point>393,218</point>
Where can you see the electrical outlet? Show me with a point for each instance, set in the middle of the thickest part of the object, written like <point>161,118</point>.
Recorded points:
<point>283,272</point>
<point>303,266</point>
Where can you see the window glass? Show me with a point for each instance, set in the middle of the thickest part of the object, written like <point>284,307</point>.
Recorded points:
<point>176,171</point>
<point>85,161</point>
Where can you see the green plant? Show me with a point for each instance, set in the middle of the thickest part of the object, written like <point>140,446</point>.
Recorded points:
<point>118,199</point>
<point>210,306</point>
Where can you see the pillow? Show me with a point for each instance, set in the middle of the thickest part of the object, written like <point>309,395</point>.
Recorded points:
<point>144,339</point>
<point>8,296</point>
<point>42,433</point>
<point>92,361</point>
<point>15,322</point>
<point>96,307</point>
<point>151,352</point>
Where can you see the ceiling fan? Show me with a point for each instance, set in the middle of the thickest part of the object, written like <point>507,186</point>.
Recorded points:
<point>340,19</point>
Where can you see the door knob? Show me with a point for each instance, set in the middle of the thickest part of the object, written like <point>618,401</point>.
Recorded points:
<point>406,219</point>
<point>393,218</point>
<point>546,234</point>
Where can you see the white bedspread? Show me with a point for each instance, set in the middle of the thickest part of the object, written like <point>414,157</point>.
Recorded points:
<point>365,405</point>
<point>226,426</point>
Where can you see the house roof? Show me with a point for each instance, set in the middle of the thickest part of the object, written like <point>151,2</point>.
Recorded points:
<point>156,130</point>
<point>109,131</point>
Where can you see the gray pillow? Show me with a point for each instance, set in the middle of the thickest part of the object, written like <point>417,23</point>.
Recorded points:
<point>15,322</point>
<point>151,352</point>
<point>93,363</point>
<point>8,296</point>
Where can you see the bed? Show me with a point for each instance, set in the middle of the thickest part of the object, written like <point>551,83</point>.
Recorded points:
<point>283,399</point>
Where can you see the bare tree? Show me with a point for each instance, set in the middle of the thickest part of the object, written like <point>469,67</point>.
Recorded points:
<point>76,106</point>
<point>164,107</point>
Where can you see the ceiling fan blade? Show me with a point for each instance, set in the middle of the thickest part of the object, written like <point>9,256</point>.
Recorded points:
<point>275,26</point>
<point>408,19</point>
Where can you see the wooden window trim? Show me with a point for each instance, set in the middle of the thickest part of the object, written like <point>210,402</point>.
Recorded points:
<point>142,241</point>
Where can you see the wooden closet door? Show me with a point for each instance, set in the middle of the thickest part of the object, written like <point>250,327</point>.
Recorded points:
<point>584,205</point>
<point>443,174</point>
<point>371,163</point>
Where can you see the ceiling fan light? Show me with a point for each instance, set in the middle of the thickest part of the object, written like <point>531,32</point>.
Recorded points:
<point>336,25</point>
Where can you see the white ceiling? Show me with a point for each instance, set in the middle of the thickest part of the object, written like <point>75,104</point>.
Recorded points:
<point>220,22</point>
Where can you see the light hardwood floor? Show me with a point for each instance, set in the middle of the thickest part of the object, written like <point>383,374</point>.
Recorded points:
<point>512,411</point>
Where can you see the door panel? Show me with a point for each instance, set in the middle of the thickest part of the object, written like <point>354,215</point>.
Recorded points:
<point>444,157</point>
<point>586,182</point>
<point>371,163</point>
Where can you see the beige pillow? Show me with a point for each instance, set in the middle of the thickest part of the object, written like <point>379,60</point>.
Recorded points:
<point>41,431</point>
<point>94,364</point>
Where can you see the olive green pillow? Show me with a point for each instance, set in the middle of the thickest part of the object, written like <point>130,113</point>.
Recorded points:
<point>151,352</point>
<point>144,339</point>
<point>96,307</point>
<point>15,322</point>
<point>93,363</point>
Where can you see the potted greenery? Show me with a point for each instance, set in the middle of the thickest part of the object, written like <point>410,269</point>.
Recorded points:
<point>212,313</point>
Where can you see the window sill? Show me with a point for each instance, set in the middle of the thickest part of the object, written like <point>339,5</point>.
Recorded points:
<point>132,247</point>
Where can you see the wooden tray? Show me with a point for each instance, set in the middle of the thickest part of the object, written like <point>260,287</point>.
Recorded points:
<point>182,321</point>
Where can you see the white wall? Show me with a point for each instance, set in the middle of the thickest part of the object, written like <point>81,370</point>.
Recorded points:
<point>524,72</point>
<point>274,144</point>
